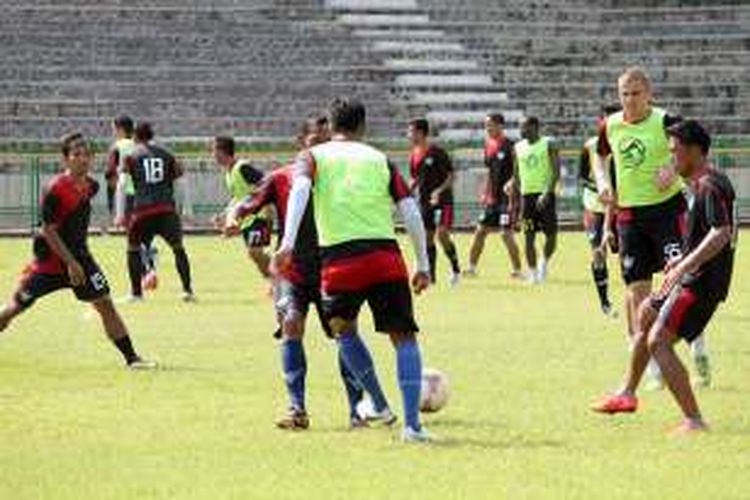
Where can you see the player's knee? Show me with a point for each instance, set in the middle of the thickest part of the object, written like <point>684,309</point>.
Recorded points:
<point>657,342</point>
<point>401,337</point>
<point>293,327</point>
<point>646,315</point>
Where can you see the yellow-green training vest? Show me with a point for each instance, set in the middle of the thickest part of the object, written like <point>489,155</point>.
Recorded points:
<point>125,147</point>
<point>640,150</point>
<point>239,189</point>
<point>351,193</point>
<point>591,197</point>
<point>534,166</point>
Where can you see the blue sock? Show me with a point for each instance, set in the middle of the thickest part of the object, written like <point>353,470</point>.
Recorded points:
<point>294,364</point>
<point>354,391</point>
<point>409,365</point>
<point>358,360</point>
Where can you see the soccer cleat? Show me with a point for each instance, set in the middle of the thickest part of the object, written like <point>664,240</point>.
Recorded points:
<point>532,278</point>
<point>470,272</point>
<point>453,279</point>
<point>295,420</point>
<point>616,403</point>
<point>518,275</point>
<point>150,281</point>
<point>142,365</point>
<point>367,412</point>
<point>541,272</point>
<point>356,422</point>
<point>131,299</point>
<point>188,297</point>
<point>410,435</point>
<point>689,427</point>
<point>609,311</point>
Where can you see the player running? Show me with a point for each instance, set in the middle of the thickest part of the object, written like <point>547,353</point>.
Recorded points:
<point>242,179</point>
<point>153,170</point>
<point>354,187</point>
<point>298,288</point>
<point>595,215</point>
<point>432,179</point>
<point>124,146</point>
<point>62,258</point>
<point>500,201</point>
<point>537,170</point>
<point>649,199</point>
<point>695,283</point>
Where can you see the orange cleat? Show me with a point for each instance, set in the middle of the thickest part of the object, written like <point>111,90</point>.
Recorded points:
<point>616,403</point>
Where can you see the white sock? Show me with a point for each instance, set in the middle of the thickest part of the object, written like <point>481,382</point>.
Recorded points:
<point>698,346</point>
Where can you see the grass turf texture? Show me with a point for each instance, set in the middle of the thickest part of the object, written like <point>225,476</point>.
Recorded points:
<point>523,362</point>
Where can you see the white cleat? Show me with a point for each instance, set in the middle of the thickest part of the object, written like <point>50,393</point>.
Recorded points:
<point>410,435</point>
<point>518,275</point>
<point>130,299</point>
<point>453,279</point>
<point>470,272</point>
<point>367,412</point>
<point>188,297</point>
<point>541,272</point>
<point>142,365</point>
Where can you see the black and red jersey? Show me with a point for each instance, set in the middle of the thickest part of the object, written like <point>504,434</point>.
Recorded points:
<point>498,158</point>
<point>153,170</point>
<point>430,168</point>
<point>66,208</point>
<point>274,190</point>
<point>712,206</point>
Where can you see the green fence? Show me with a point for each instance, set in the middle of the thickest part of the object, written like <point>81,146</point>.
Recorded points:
<point>201,194</point>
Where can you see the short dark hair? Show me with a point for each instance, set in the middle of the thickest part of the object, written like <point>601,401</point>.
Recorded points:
<point>70,141</point>
<point>225,144</point>
<point>144,132</point>
<point>314,119</point>
<point>346,115</point>
<point>691,133</point>
<point>421,125</point>
<point>611,108</point>
<point>496,118</point>
<point>125,123</point>
<point>533,120</point>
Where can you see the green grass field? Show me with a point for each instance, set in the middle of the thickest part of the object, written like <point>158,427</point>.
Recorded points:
<point>523,363</point>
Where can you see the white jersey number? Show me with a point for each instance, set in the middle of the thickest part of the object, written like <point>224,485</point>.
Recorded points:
<point>153,170</point>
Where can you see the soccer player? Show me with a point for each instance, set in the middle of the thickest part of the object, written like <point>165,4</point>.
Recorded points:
<point>432,179</point>
<point>62,258</point>
<point>499,200</point>
<point>354,187</point>
<point>649,200</point>
<point>298,288</point>
<point>242,179</point>
<point>695,283</point>
<point>153,170</point>
<point>124,146</point>
<point>536,172</point>
<point>595,215</point>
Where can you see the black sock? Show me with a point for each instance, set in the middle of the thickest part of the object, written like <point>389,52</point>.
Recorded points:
<point>601,280</point>
<point>450,252</point>
<point>135,271</point>
<point>432,256</point>
<point>183,268</point>
<point>125,346</point>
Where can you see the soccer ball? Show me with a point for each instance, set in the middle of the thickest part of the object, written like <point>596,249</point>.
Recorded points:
<point>434,391</point>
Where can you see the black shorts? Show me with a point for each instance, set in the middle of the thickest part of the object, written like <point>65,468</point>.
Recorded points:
<point>257,234</point>
<point>143,229</point>
<point>686,312</point>
<point>35,285</point>
<point>533,219</point>
<point>434,216</point>
<point>293,300</point>
<point>647,244</point>
<point>497,215</point>
<point>593,223</point>
<point>390,304</point>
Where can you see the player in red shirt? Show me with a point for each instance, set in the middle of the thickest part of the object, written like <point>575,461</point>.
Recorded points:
<point>61,254</point>
<point>432,179</point>
<point>500,202</point>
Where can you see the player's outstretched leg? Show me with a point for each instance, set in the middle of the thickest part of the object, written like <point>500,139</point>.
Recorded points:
<point>294,365</point>
<point>9,311</point>
<point>118,333</point>
<point>409,368</point>
<point>359,362</point>
<point>449,248</point>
